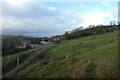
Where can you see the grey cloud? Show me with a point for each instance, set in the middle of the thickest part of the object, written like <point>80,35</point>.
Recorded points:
<point>37,21</point>
<point>31,10</point>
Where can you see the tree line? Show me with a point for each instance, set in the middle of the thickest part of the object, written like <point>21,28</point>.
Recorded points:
<point>92,30</point>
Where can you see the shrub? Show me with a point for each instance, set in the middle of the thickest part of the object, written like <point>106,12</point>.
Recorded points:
<point>104,69</point>
<point>79,70</point>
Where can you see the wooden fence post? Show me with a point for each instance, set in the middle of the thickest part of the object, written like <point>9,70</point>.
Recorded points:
<point>18,63</point>
<point>8,58</point>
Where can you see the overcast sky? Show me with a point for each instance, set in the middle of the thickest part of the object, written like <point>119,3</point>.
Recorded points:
<point>35,18</point>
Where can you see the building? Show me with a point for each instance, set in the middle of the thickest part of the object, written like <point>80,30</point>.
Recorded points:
<point>45,41</point>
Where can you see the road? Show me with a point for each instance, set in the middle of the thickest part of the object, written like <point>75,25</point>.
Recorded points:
<point>47,45</point>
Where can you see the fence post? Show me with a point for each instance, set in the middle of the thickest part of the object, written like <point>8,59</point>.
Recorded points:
<point>8,58</point>
<point>18,63</point>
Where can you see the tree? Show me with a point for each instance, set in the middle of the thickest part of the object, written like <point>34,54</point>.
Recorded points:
<point>9,44</point>
<point>113,23</point>
<point>67,35</point>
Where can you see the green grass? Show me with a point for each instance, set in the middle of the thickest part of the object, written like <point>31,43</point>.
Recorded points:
<point>9,58</point>
<point>58,60</point>
<point>74,45</point>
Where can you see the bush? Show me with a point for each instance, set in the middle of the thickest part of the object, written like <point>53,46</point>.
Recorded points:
<point>104,69</point>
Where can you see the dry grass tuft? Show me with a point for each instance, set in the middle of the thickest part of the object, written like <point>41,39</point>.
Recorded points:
<point>104,69</point>
<point>79,70</point>
<point>87,69</point>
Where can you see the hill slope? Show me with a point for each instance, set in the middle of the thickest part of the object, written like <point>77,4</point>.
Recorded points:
<point>81,57</point>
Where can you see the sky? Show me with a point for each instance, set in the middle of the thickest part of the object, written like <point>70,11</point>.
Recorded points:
<point>43,18</point>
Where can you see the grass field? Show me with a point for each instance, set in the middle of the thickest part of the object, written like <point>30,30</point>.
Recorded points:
<point>81,57</point>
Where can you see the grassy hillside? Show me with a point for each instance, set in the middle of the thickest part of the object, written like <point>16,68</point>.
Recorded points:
<point>92,56</point>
